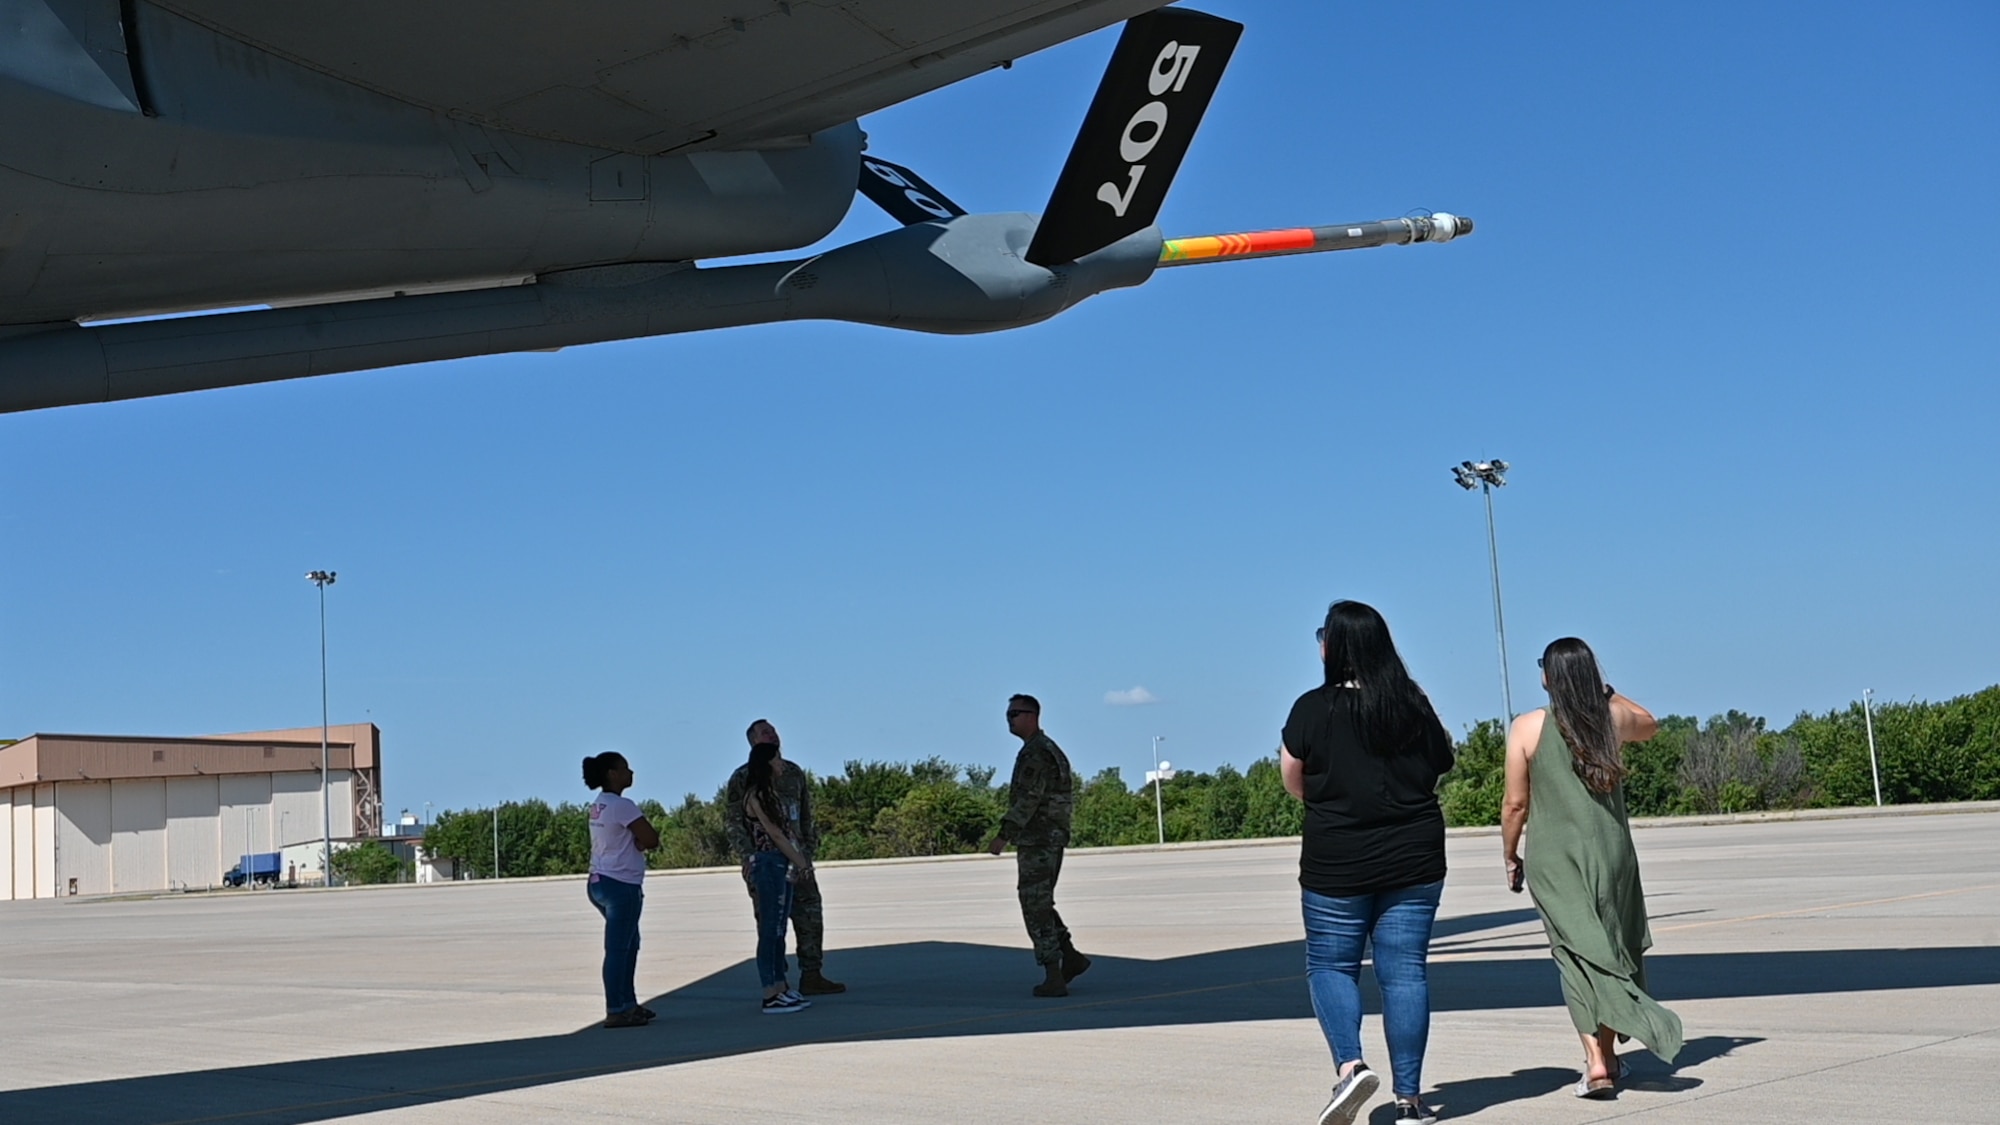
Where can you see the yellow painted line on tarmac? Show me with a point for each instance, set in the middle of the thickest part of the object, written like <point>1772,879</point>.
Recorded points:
<point>1824,909</point>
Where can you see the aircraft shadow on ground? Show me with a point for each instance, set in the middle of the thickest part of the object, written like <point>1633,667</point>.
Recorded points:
<point>941,989</point>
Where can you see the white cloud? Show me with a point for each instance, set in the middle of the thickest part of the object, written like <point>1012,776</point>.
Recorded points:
<point>1137,697</point>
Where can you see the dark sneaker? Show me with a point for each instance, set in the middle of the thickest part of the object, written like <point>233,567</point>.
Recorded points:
<point>647,1012</point>
<point>1074,964</point>
<point>816,983</point>
<point>785,1003</point>
<point>630,1017</point>
<point>1414,1112</point>
<point>1349,1096</point>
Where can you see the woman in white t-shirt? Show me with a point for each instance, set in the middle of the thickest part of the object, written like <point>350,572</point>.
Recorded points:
<point>620,837</point>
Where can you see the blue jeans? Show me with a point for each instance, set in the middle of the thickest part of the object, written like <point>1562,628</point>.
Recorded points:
<point>1399,925</point>
<point>774,913</point>
<point>620,903</point>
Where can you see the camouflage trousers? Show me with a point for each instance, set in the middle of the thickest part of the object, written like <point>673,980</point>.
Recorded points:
<point>808,923</point>
<point>1039,867</point>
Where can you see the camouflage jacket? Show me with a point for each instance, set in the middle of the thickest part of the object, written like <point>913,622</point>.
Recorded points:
<point>794,789</point>
<point>1039,795</point>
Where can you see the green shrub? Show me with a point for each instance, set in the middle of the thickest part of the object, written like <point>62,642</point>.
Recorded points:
<point>370,863</point>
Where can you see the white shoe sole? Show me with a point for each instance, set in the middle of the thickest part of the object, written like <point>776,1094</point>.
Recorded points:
<point>1347,1103</point>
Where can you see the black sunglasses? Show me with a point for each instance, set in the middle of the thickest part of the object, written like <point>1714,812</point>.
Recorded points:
<point>1019,711</point>
<point>1538,661</point>
<point>1319,634</point>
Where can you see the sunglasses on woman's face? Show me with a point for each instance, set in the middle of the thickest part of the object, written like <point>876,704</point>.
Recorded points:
<point>1319,634</point>
<point>1539,660</point>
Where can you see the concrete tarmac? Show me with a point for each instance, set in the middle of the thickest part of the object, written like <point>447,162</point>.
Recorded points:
<point>1822,968</point>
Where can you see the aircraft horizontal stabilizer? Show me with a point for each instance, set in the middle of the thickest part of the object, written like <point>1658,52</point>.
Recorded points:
<point>1159,83</point>
<point>904,194</point>
<point>1440,227</point>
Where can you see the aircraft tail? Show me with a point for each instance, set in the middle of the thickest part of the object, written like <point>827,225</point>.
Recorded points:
<point>1153,95</point>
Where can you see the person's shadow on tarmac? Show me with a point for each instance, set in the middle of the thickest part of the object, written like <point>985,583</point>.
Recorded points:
<point>1467,1096</point>
<point>936,989</point>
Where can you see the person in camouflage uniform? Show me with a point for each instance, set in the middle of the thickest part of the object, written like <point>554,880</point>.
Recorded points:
<point>808,910</point>
<point>1040,800</point>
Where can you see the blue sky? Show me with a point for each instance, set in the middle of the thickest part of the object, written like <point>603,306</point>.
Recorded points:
<point>1730,312</point>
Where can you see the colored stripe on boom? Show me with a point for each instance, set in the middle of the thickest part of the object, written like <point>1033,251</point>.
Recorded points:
<point>1229,245</point>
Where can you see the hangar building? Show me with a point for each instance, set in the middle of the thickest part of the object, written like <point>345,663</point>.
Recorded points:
<point>84,814</point>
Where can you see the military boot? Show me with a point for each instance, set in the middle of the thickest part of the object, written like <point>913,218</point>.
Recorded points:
<point>815,983</point>
<point>1074,964</point>
<point>1054,985</point>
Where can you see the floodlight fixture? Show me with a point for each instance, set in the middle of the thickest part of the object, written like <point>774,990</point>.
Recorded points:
<point>1487,476</point>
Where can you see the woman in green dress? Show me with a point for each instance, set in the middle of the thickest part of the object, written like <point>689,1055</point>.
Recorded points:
<point>1581,866</point>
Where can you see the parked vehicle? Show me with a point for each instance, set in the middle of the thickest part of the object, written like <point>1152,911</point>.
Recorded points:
<point>256,867</point>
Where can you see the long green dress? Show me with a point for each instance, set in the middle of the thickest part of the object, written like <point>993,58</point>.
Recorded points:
<point>1584,874</point>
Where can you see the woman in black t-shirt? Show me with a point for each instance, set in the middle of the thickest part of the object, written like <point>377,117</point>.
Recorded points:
<point>1364,751</point>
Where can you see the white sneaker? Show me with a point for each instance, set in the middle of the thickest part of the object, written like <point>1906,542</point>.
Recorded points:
<point>1349,1095</point>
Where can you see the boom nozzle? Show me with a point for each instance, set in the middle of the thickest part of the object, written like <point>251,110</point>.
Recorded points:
<point>1440,227</point>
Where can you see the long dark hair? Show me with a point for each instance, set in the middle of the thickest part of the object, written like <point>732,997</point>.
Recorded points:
<point>597,768</point>
<point>1392,712</point>
<point>763,780</point>
<point>1582,709</point>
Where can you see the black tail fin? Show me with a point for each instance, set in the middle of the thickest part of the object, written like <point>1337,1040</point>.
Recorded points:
<point>1140,124</point>
<point>904,194</point>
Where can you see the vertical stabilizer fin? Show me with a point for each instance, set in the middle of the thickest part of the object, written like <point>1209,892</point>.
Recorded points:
<point>904,194</point>
<point>1159,82</point>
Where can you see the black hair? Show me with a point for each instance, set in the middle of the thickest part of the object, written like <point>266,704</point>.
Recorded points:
<point>597,768</point>
<point>763,780</point>
<point>1028,702</point>
<point>1582,709</point>
<point>1391,713</point>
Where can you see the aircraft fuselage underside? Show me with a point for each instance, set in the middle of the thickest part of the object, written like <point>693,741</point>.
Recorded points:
<point>261,181</point>
<point>328,187</point>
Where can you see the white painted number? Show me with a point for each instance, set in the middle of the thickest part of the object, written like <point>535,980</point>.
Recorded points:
<point>1109,194</point>
<point>886,172</point>
<point>1131,149</point>
<point>1178,61</point>
<point>910,192</point>
<point>1143,132</point>
<point>927,203</point>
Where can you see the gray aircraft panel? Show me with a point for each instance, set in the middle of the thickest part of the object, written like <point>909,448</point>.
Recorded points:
<point>652,78</point>
<point>315,158</point>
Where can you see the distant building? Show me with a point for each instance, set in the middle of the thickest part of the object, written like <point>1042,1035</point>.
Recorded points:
<point>404,837</point>
<point>85,814</point>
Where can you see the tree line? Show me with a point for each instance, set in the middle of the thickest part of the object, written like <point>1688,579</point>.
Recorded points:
<point>1733,762</point>
<point>1928,752</point>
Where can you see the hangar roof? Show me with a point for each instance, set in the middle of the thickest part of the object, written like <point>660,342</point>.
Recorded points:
<point>100,757</point>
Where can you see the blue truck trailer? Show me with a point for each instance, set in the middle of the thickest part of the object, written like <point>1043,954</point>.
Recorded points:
<point>255,867</point>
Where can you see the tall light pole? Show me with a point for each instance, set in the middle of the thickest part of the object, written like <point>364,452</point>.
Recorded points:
<point>1868,717</point>
<point>323,579</point>
<point>1161,772</point>
<point>1487,476</point>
